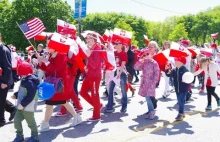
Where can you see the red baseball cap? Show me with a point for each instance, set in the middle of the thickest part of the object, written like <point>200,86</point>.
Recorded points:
<point>181,59</point>
<point>24,69</point>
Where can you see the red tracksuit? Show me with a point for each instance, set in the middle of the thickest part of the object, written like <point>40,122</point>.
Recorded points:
<point>71,75</point>
<point>92,81</point>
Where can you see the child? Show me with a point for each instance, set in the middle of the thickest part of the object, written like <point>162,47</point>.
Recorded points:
<point>181,88</point>
<point>26,102</point>
<point>201,76</point>
<point>211,80</point>
<point>217,60</point>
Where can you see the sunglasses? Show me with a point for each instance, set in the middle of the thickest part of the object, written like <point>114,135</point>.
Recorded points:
<point>146,54</point>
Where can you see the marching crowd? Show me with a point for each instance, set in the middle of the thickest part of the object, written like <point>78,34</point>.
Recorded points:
<point>47,62</point>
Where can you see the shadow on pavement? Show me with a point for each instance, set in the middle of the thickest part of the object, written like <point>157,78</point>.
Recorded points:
<point>166,99</point>
<point>82,130</point>
<point>145,123</point>
<point>113,117</point>
<point>174,129</point>
<point>176,107</point>
<point>213,113</point>
<point>51,134</point>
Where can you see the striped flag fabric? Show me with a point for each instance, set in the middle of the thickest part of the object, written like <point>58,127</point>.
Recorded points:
<point>32,28</point>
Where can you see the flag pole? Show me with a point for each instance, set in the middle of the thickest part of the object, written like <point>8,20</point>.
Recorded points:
<point>24,35</point>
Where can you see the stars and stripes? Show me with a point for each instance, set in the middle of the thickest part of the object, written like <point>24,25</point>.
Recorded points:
<point>32,27</point>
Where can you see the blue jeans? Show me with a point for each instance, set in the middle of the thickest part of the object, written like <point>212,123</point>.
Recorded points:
<point>123,82</point>
<point>181,101</point>
<point>149,104</point>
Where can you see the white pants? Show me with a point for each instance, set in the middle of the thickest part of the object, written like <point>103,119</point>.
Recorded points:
<point>167,82</point>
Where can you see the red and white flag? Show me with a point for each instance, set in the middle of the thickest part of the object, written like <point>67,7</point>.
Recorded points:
<point>146,40</point>
<point>194,51</point>
<point>62,44</point>
<point>162,58</point>
<point>29,48</point>
<point>42,36</point>
<point>66,28</point>
<point>109,59</point>
<point>32,27</point>
<point>215,35</point>
<point>206,51</point>
<point>177,50</point>
<point>122,35</point>
<point>107,35</point>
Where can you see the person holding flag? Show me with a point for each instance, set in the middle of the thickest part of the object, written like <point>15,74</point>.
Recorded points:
<point>93,75</point>
<point>121,60</point>
<point>56,65</point>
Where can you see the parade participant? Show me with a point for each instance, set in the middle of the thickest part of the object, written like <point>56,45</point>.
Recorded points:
<point>201,76</point>
<point>5,81</point>
<point>71,75</point>
<point>121,60</point>
<point>149,79</point>
<point>27,103</point>
<point>56,66</point>
<point>181,88</point>
<point>93,77</point>
<point>136,51</point>
<point>166,93</point>
<point>211,79</point>
<point>14,57</point>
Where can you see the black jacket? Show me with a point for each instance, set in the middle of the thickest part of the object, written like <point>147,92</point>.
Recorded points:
<point>177,73</point>
<point>130,55</point>
<point>5,64</point>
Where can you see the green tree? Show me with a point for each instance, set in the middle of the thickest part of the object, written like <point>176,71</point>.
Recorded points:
<point>22,10</point>
<point>178,32</point>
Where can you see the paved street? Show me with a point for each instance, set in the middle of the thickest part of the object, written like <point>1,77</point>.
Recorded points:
<point>198,126</point>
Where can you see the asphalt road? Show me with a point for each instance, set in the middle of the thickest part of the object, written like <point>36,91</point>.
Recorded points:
<point>198,126</point>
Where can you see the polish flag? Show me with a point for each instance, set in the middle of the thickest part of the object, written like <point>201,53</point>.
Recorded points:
<point>83,49</point>
<point>29,48</point>
<point>215,35</point>
<point>206,51</point>
<point>64,26</point>
<point>109,59</point>
<point>194,51</point>
<point>42,36</point>
<point>177,50</point>
<point>122,35</point>
<point>106,35</point>
<point>146,40</point>
<point>162,59</point>
<point>62,44</point>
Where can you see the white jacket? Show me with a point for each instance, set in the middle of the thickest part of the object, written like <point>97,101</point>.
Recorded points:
<point>213,69</point>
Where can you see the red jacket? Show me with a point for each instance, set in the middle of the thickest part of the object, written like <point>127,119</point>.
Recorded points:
<point>94,63</point>
<point>58,66</point>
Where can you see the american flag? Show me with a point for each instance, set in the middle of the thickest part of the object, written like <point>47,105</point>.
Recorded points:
<point>32,27</point>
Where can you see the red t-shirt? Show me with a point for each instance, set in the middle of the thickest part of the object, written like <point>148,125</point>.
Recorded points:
<point>120,57</point>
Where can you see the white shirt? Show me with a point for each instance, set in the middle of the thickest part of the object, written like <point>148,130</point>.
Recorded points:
<point>212,73</point>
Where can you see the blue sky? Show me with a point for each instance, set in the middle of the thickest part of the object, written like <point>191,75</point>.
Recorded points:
<point>131,7</point>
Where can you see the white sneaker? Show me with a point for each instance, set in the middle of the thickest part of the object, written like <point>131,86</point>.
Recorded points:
<point>76,120</point>
<point>45,126</point>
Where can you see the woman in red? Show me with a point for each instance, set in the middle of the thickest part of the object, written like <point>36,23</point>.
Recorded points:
<point>93,77</point>
<point>56,65</point>
<point>71,75</point>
